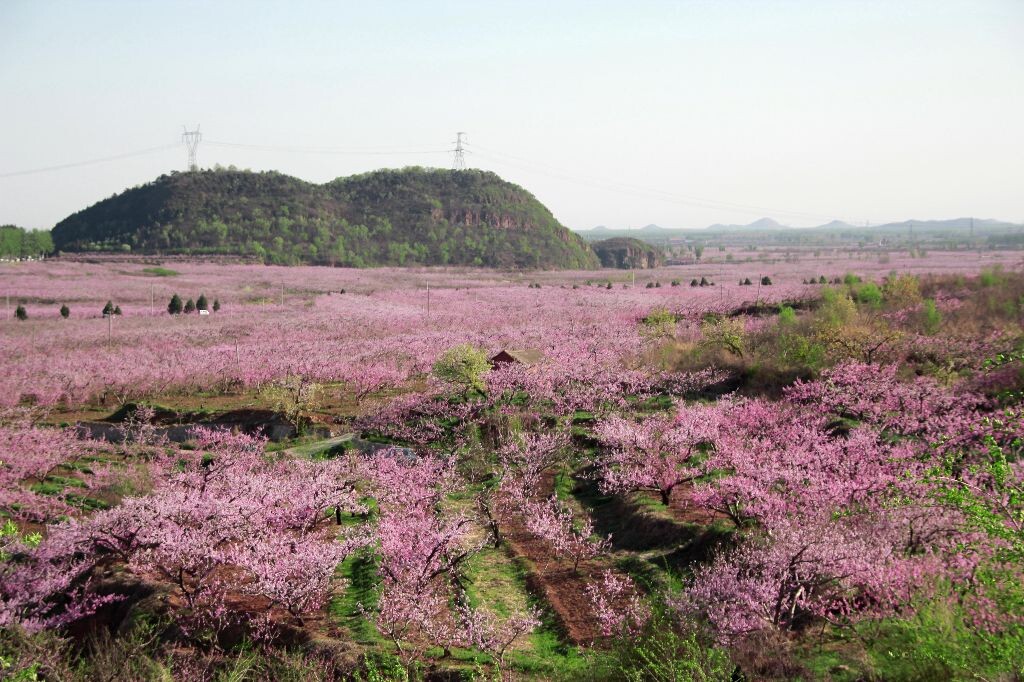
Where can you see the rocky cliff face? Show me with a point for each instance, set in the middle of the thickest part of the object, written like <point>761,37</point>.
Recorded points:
<point>628,254</point>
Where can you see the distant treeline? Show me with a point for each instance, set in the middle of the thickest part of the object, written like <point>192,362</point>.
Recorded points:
<point>17,242</point>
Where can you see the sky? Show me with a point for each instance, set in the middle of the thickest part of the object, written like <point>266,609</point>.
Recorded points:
<point>681,113</point>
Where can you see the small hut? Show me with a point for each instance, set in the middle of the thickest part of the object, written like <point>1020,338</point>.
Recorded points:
<point>527,358</point>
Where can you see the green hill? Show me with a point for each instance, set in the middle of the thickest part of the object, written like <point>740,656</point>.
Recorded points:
<point>413,216</point>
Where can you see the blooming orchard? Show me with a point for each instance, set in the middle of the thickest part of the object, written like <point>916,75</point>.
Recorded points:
<point>642,480</point>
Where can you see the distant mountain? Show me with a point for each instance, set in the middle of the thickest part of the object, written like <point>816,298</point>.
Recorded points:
<point>835,225</point>
<point>412,216</point>
<point>949,224</point>
<point>657,234</point>
<point>759,224</point>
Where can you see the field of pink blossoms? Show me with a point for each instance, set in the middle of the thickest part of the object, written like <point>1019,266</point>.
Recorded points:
<point>694,482</point>
<point>377,334</point>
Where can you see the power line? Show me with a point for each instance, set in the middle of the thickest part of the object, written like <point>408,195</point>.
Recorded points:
<point>191,140</point>
<point>77,164</point>
<point>352,151</point>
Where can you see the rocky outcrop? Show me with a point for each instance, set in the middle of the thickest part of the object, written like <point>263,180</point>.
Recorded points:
<point>628,254</point>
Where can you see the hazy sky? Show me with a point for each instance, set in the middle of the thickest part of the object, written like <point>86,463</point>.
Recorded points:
<point>615,113</point>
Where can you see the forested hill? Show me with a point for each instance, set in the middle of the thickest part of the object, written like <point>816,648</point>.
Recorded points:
<point>413,216</point>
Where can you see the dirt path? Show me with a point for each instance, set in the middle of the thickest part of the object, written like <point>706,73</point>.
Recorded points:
<point>553,579</point>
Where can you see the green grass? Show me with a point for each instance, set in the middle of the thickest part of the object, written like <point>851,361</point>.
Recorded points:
<point>498,582</point>
<point>159,272</point>
<point>360,570</point>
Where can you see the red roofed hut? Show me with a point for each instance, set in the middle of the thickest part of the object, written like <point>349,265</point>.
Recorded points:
<point>520,357</point>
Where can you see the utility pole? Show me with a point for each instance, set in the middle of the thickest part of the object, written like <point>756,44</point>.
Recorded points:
<point>282,294</point>
<point>152,310</point>
<point>191,139</point>
<point>428,300</point>
<point>459,153</point>
<point>110,326</point>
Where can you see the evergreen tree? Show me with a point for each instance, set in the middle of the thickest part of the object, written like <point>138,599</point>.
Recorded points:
<point>65,311</point>
<point>21,313</point>
<point>190,306</point>
<point>108,309</point>
<point>216,305</point>
<point>174,307</point>
<point>202,303</point>
<point>693,282</point>
<point>766,281</point>
<point>117,310</point>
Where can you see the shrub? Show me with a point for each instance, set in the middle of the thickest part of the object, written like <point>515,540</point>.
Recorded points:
<point>796,350</point>
<point>931,318</point>
<point>190,306</point>
<point>787,315</point>
<point>174,307</point>
<point>667,649</point>
<point>693,282</point>
<point>766,281</point>
<point>659,323</point>
<point>869,294</point>
<point>216,304</point>
<point>902,292</point>
<point>724,333</point>
<point>836,308</point>
<point>463,366</point>
<point>65,311</point>
<point>991,277</point>
<point>21,313</point>
<point>117,310</point>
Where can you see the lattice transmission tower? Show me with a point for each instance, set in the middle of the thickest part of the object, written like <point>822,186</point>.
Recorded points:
<point>459,153</point>
<point>191,139</point>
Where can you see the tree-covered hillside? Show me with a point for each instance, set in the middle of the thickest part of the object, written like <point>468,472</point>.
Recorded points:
<point>413,216</point>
